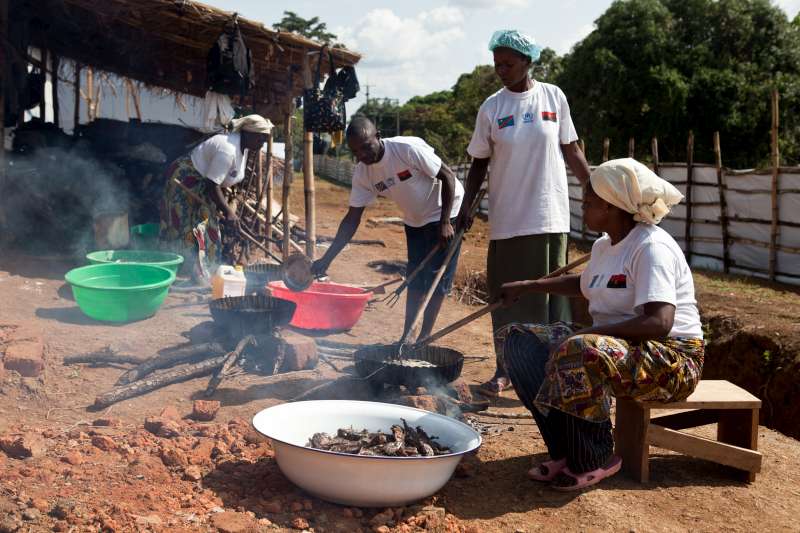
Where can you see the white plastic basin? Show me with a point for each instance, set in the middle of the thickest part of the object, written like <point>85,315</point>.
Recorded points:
<point>357,480</point>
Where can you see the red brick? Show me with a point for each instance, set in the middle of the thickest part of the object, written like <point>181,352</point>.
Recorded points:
<point>426,403</point>
<point>204,410</point>
<point>25,357</point>
<point>170,412</point>
<point>460,390</point>
<point>26,332</point>
<point>23,446</point>
<point>104,442</point>
<point>231,522</point>
<point>299,352</point>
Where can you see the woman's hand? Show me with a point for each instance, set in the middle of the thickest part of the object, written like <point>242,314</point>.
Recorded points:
<point>232,220</point>
<point>513,291</point>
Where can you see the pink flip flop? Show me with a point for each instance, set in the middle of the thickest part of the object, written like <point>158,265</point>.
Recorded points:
<point>587,479</point>
<point>552,467</point>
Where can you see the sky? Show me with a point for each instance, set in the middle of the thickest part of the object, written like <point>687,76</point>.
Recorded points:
<point>416,47</point>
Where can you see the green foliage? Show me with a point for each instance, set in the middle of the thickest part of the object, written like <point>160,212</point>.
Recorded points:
<point>664,67</point>
<point>311,28</point>
<point>650,68</point>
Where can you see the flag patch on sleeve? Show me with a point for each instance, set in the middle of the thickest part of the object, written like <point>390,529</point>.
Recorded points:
<point>617,281</point>
<point>549,116</point>
<point>505,122</point>
<point>404,175</point>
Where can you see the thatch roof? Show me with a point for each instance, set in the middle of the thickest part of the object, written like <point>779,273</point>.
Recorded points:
<point>165,43</point>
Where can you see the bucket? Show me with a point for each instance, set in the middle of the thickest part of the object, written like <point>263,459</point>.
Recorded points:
<point>111,230</point>
<point>145,236</point>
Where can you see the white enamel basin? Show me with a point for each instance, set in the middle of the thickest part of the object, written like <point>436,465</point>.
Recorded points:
<point>357,480</point>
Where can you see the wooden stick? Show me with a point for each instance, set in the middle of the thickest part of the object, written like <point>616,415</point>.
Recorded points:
<point>631,147</point>
<point>288,170</point>
<point>102,357</point>
<point>43,101</point>
<point>654,148</point>
<point>280,233</point>
<point>496,305</point>
<point>310,192</point>
<point>268,208</point>
<point>76,114</point>
<point>137,388</point>
<point>89,94</point>
<point>56,60</point>
<point>723,206</point>
<point>606,146</point>
<point>689,178</point>
<point>440,273</point>
<point>776,160</point>
<point>180,355</point>
<point>243,231</point>
<point>228,363</point>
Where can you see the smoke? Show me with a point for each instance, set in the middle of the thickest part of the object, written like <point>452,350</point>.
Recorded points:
<point>52,196</point>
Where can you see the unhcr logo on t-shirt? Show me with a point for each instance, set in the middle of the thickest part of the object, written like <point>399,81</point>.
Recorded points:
<point>527,118</point>
<point>385,184</point>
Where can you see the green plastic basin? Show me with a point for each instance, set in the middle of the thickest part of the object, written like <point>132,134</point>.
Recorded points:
<point>145,236</point>
<point>120,292</point>
<point>168,260</point>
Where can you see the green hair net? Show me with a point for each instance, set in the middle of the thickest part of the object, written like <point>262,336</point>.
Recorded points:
<point>516,41</point>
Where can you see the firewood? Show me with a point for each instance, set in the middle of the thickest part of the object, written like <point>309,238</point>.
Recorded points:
<point>401,441</point>
<point>229,362</point>
<point>102,357</point>
<point>162,379</point>
<point>179,355</point>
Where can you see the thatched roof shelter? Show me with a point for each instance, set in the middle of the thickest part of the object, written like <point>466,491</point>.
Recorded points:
<point>165,43</point>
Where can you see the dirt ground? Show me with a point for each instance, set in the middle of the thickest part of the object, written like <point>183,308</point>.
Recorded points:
<point>94,471</point>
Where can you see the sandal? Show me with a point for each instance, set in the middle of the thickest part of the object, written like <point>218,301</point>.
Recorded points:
<point>547,470</point>
<point>586,479</point>
<point>495,386</point>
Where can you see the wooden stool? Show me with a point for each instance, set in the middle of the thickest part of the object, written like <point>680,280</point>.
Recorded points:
<point>733,409</point>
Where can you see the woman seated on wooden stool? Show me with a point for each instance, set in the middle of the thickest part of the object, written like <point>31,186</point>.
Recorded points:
<point>646,341</point>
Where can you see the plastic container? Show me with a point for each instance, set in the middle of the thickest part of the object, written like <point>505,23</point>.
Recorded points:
<point>324,306</point>
<point>228,282</point>
<point>120,292</point>
<point>145,236</point>
<point>168,260</point>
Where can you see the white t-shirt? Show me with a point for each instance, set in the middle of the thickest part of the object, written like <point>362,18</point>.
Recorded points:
<point>407,174</point>
<point>646,266</point>
<point>220,159</point>
<point>522,133</point>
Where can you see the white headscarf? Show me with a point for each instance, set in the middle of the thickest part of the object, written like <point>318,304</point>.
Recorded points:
<point>251,123</point>
<point>634,188</point>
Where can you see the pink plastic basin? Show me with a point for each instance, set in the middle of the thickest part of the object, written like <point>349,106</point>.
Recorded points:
<point>324,306</point>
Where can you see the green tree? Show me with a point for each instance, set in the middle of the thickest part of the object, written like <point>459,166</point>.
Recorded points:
<point>311,28</point>
<point>664,67</point>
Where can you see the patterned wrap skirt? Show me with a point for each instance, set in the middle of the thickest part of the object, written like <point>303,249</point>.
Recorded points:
<point>584,371</point>
<point>190,227</point>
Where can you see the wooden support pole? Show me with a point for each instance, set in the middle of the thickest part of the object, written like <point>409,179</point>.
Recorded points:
<point>77,113</point>
<point>43,101</point>
<point>654,148</point>
<point>606,146</point>
<point>631,148</point>
<point>54,83</point>
<point>268,186</point>
<point>723,204</point>
<point>308,180</point>
<point>288,170</point>
<point>776,161</point>
<point>308,173</point>
<point>689,178</point>
<point>89,94</point>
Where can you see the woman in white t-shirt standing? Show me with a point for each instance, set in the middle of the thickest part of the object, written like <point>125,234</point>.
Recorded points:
<point>646,339</point>
<point>194,228</point>
<point>525,133</point>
